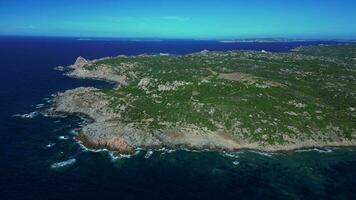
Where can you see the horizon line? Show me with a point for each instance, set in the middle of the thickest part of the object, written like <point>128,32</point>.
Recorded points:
<point>227,39</point>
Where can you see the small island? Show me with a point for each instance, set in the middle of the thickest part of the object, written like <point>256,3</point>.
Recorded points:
<point>218,100</point>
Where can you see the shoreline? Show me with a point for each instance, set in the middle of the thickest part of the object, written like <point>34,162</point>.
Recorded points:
<point>103,133</point>
<point>80,137</point>
<point>113,153</point>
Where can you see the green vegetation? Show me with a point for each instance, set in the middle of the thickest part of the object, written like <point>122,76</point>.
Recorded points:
<point>309,93</point>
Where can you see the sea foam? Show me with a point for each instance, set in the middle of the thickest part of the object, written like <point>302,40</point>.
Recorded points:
<point>262,153</point>
<point>231,155</point>
<point>50,145</point>
<point>63,163</point>
<point>63,137</point>
<point>27,116</point>
<point>319,150</point>
<point>114,156</point>
<point>40,105</point>
<point>148,154</point>
<point>236,162</point>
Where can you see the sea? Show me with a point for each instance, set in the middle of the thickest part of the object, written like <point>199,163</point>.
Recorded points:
<point>39,159</point>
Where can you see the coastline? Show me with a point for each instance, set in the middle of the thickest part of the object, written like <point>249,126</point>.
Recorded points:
<point>92,128</point>
<point>102,133</point>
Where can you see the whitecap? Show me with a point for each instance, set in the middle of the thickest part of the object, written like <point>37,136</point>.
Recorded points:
<point>49,145</point>
<point>63,137</point>
<point>115,156</point>
<point>63,163</point>
<point>27,116</point>
<point>323,150</point>
<point>236,162</point>
<point>262,153</point>
<point>231,155</point>
<point>162,149</point>
<point>148,154</point>
<point>83,147</point>
<point>73,132</point>
<point>86,149</point>
<point>319,150</point>
<point>171,151</point>
<point>40,105</point>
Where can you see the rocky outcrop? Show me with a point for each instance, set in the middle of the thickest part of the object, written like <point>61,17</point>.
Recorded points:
<point>107,131</point>
<point>103,72</point>
<point>80,62</point>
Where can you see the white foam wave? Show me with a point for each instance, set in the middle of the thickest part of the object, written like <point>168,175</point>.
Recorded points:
<point>27,116</point>
<point>63,137</point>
<point>49,145</point>
<point>262,153</point>
<point>148,154</point>
<point>171,151</point>
<point>63,163</point>
<point>40,105</point>
<point>85,149</point>
<point>231,155</point>
<point>236,162</point>
<point>324,150</point>
<point>73,132</point>
<point>114,156</point>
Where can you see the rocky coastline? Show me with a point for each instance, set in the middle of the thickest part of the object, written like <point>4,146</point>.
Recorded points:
<point>107,131</point>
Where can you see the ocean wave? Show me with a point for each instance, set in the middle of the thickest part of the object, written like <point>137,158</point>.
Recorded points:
<point>262,153</point>
<point>40,105</point>
<point>27,116</point>
<point>231,155</point>
<point>148,154</point>
<point>49,145</point>
<point>165,151</point>
<point>50,99</point>
<point>326,150</point>
<point>116,156</point>
<point>113,155</point>
<point>236,162</point>
<point>73,132</point>
<point>319,150</point>
<point>85,149</point>
<point>62,137</point>
<point>64,163</point>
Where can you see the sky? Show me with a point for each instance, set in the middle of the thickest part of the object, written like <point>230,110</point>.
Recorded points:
<point>198,19</point>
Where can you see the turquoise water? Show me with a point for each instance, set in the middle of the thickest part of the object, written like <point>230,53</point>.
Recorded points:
<point>40,160</point>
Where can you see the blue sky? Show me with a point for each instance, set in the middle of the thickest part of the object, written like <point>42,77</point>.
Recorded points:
<point>203,19</point>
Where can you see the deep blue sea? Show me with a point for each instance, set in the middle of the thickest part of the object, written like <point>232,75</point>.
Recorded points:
<point>40,160</point>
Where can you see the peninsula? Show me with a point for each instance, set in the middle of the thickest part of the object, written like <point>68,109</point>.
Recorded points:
<point>218,100</point>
